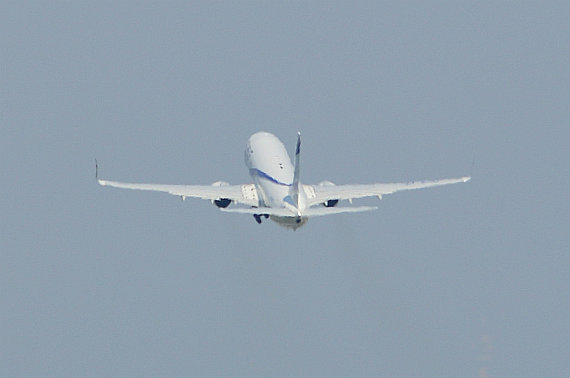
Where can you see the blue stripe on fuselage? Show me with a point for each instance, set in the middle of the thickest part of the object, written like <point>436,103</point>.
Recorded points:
<point>264,175</point>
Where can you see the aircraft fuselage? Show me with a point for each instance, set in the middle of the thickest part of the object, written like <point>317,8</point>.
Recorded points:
<point>272,173</point>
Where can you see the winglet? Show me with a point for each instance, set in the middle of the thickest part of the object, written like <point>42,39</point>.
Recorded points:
<point>472,166</point>
<point>101,182</point>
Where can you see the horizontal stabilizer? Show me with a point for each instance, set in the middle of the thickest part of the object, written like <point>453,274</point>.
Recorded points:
<point>279,212</point>
<point>310,212</point>
<point>316,212</point>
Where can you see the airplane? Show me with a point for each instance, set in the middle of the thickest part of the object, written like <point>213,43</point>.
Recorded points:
<point>277,192</point>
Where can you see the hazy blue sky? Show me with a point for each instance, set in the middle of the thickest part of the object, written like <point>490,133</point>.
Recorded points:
<point>469,280</point>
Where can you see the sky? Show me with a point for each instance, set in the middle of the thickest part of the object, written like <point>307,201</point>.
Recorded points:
<point>466,280</point>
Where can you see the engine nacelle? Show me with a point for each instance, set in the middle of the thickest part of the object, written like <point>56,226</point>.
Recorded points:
<point>220,183</point>
<point>221,202</point>
<point>326,183</point>
<point>332,202</point>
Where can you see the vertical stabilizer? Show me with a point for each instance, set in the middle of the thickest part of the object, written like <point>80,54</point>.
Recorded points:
<point>296,186</point>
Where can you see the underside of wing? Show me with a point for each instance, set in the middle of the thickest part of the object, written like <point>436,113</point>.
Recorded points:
<point>323,193</point>
<point>244,194</point>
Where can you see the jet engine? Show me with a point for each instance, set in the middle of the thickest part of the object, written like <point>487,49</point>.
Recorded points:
<point>221,202</point>
<point>332,202</point>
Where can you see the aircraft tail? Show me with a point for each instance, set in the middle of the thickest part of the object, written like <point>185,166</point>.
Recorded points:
<point>296,187</point>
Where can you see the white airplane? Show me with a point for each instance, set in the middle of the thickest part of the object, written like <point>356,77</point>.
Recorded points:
<point>276,191</point>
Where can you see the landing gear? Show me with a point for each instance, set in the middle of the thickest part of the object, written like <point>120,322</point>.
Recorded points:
<point>257,217</point>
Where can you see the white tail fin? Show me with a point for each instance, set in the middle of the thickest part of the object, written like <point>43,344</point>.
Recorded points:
<point>294,191</point>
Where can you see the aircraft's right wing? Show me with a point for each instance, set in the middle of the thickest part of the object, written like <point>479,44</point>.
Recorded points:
<point>243,194</point>
<point>322,193</point>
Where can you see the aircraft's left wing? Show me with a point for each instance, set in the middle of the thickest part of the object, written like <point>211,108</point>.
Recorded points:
<point>323,193</point>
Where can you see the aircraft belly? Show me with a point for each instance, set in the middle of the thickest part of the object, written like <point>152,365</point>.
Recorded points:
<point>289,222</point>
